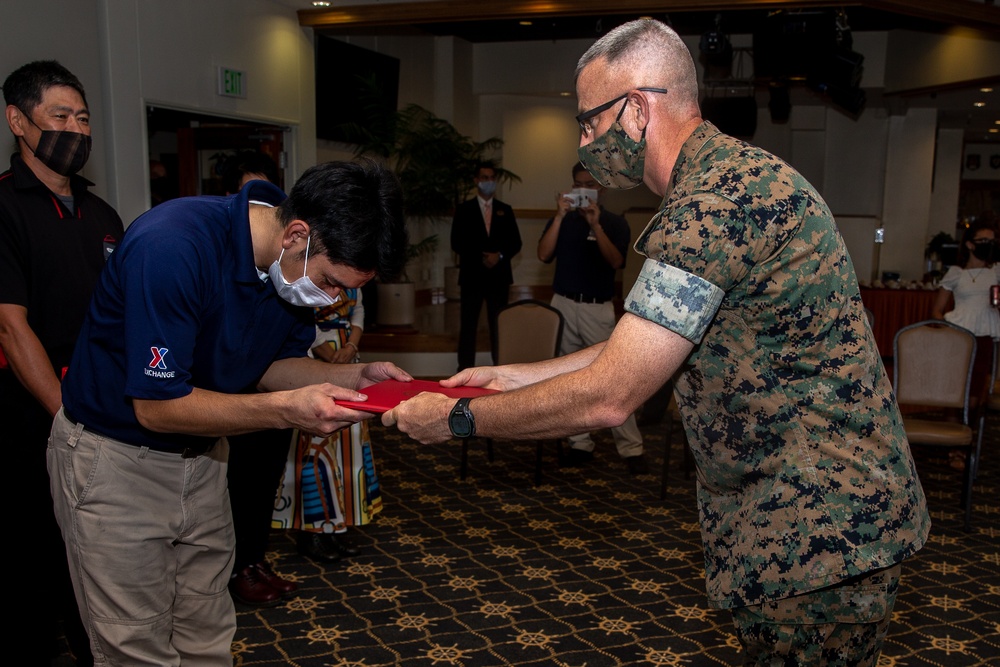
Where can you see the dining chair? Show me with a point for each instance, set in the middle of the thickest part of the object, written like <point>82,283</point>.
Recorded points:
<point>992,406</point>
<point>871,318</point>
<point>932,373</point>
<point>528,330</point>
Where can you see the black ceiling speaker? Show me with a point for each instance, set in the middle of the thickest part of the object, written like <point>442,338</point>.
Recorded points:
<point>789,46</point>
<point>838,76</point>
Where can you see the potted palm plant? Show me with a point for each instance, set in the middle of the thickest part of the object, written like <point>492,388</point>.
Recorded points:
<point>434,163</point>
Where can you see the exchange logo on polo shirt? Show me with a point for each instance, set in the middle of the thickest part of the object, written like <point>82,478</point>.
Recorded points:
<point>158,364</point>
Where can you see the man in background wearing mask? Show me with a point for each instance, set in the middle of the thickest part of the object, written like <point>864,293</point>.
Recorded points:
<point>807,493</point>
<point>588,244</point>
<point>55,237</point>
<point>206,300</point>
<point>485,237</point>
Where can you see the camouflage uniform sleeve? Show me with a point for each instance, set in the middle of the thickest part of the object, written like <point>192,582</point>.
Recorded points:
<point>675,299</point>
<point>698,248</point>
<point>709,236</point>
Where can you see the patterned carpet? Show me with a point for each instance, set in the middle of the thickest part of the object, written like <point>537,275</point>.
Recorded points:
<point>588,569</point>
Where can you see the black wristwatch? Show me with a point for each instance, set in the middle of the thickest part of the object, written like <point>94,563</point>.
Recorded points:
<point>461,422</point>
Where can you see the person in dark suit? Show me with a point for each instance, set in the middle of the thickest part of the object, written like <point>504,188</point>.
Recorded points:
<point>485,237</point>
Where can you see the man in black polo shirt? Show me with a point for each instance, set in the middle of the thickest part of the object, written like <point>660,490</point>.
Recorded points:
<point>55,237</point>
<point>590,245</point>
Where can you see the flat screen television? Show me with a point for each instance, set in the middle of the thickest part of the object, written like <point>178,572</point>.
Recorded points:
<point>353,85</point>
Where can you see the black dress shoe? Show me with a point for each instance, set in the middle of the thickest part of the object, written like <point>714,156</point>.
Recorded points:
<point>339,543</point>
<point>314,546</point>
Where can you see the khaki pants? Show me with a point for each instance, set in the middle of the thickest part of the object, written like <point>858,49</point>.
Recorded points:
<point>842,625</point>
<point>586,324</point>
<point>150,541</point>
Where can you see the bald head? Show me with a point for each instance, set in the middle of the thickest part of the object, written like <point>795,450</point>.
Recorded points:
<point>648,53</point>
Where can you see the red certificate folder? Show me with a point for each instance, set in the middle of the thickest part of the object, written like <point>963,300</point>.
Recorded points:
<point>387,394</point>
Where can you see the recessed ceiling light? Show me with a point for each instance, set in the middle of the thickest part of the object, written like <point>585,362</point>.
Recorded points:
<point>979,105</point>
<point>567,94</point>
<point>321,3</point>
<point>986,90</point>
<point>525,22</point>
<point>993,130</point>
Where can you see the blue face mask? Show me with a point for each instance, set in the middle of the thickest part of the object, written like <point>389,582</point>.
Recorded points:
<point>302,292</point>
<point>487,188</point>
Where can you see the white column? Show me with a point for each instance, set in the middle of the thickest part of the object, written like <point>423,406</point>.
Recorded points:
<point>907,200</point>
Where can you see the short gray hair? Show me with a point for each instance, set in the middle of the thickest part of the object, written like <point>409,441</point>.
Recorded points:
<point>649,48</point>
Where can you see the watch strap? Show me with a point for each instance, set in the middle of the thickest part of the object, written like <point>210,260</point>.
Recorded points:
<point>461,410</point>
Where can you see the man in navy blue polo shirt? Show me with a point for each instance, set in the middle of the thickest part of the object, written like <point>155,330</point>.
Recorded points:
<point>198,329</point>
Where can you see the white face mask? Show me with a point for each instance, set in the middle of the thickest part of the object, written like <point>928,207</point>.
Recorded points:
<point>303,292</point>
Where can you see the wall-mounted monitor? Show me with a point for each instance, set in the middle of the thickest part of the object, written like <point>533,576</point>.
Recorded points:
<point>353,86</point>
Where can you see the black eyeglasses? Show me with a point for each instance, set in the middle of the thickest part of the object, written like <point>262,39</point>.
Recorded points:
<point>582,119</point>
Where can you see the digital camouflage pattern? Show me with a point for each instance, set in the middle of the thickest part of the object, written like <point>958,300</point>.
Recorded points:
<point>615,159</point>
<point>843,626</point>
<point>675,299</point>
<point>805,475</point>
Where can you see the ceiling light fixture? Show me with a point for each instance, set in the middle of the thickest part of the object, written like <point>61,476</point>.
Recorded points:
<point>986,90</point>
<point>979,105</point>
<point>321,3</point>
<point>525,23</point>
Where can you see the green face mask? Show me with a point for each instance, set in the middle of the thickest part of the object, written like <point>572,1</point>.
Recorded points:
<point>614,159</point>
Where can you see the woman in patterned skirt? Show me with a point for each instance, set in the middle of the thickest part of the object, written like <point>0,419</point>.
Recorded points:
<point>330,482</point>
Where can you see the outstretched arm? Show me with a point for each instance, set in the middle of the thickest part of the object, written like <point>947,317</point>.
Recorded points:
<point>630,367</point>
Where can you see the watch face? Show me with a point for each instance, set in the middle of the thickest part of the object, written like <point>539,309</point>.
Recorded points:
<point>459,425</point>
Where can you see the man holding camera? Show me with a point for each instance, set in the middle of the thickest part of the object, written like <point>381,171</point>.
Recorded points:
<point>590,244</point>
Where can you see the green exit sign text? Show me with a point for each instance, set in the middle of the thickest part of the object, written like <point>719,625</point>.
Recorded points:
<point>232,82</point>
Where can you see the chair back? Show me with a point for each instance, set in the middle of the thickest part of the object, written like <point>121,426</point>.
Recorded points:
<point>871,318</point>
<point>528,330</point>
<point>932,365</point>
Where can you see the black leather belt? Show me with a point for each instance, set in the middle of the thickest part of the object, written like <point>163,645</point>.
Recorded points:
<point>582,298</point>
<point>185,452</point>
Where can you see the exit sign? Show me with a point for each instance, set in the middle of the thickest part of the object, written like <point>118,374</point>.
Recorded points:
<point>232,82</point>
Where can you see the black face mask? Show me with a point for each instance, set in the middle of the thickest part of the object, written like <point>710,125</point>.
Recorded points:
<point>62,151</point>
<point>985,250</point>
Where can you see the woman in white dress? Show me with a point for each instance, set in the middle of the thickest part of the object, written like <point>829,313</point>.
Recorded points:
<point>964,299</point>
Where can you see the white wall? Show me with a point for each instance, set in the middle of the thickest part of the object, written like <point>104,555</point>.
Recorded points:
<point>854,162</point>
<point>70,33</point>
<point>947,182</point>
<point>909,168</point>
<point>130,53</point>
<point>922,60</point>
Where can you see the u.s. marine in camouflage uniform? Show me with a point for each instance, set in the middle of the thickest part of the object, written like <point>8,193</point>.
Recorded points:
<point>807,492</point>
<point>805,476</point>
